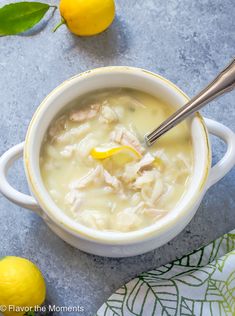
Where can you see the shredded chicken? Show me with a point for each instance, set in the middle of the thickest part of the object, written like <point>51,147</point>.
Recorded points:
<point>94,219</point>
<point>57,127</point>
<point>92,176</point>
<point>111,180</point>
<point>86,144</point>
<point>85,114</point>
<point>74,132</point>
<point>119,111</point>
<point>129,219</point>
<point>154,212</point>
<point>151,193</point>
<point>82,148</point>
<point>74,198</point>
<point>96,175</point>
<point>147,177</point>
<point>124,137</point>
<point>108,115</point>
<point>136,198</point>
<point>146,161</point>
<point>157,190</point>
<point>126,222</point>
<point>135,209</point>
<point>132,169</point>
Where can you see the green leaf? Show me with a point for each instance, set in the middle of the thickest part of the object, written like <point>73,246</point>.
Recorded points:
<point>19,17</point>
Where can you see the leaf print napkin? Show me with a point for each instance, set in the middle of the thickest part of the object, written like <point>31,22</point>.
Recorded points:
<point>201,283</point>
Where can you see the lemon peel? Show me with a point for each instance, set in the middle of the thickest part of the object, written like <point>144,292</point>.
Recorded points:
<point>103,153</point>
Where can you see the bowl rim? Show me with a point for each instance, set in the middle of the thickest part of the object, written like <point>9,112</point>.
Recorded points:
<point>79,230</point>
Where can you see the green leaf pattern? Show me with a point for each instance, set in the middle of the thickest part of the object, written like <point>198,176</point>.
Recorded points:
<point>19,17</point>
<point>199,284</point>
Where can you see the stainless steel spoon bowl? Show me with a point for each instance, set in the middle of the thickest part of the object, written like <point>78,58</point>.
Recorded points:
<point>223,83</point>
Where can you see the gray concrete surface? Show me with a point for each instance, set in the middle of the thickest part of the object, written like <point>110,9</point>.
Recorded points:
<point>186,41</point>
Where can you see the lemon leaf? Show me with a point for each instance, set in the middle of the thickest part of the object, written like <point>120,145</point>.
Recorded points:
<point>19,17</point>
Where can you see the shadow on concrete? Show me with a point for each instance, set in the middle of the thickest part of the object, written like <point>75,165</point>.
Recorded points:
<point>109,43</point>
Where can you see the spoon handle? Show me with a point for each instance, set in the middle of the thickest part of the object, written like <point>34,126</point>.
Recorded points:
<point>223,83</point>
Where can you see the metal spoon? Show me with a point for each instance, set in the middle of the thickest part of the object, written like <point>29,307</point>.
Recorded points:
<point>223,83</point>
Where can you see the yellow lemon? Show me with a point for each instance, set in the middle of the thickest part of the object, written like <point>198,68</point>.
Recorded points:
<point>87,17</point>
<point>21,285</point>
<point>105,152</point>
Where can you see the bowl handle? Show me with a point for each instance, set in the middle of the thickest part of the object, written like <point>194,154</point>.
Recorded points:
<point>21,199</point>
<point>228,161</point>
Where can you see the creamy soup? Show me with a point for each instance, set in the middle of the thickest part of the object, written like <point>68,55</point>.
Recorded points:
<point>98,170</point>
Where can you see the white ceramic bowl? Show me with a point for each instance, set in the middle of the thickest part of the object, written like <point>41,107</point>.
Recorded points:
<point>114,244</point>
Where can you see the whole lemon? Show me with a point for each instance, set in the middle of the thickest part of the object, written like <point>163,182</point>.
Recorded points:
<point>21,285</point>
<point>87,17</point>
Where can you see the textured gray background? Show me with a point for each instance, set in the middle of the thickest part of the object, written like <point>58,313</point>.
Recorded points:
<point>186,41</point>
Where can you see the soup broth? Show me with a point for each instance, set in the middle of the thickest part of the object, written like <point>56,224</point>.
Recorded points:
<point>98,170</point>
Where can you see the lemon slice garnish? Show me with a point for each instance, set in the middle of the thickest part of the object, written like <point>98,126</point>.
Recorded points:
<point>104,152</point>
